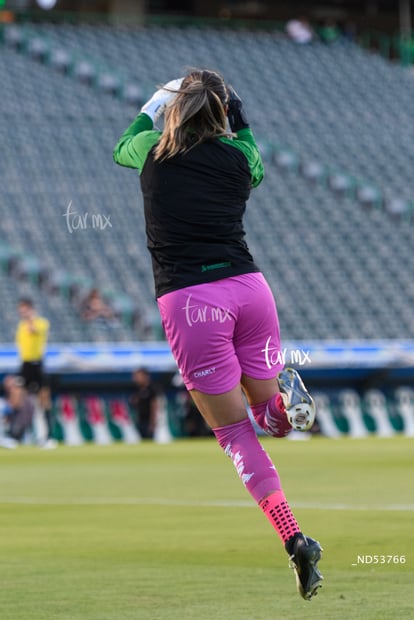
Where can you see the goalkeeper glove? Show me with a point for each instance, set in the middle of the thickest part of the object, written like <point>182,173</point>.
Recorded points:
<point>235,113</point>
<point>155,106</point>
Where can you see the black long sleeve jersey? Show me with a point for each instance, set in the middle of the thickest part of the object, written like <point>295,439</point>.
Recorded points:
<point>194,204</point>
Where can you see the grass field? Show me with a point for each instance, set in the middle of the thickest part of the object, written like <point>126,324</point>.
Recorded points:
<point>168,532</point>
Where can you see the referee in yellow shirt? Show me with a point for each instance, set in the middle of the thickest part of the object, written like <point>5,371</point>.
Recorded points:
<point>31,339</point>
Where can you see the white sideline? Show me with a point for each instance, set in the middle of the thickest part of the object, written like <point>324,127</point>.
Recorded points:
<point>154,501</point>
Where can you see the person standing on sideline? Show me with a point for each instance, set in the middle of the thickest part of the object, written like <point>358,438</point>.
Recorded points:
<point>20,408</point>
<point>31,340</point>
<point>144,402</point>
<point>216,307</point>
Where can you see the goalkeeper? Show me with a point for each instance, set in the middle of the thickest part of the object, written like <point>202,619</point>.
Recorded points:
<point>217,309</point>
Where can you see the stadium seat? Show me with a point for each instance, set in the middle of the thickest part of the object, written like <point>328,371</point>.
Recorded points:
<point>38,49</point>
<point>120,416</point>
<point>68,417</point>
<point>377,409</point>
<point>60,60</point>
<point>324,415</point>
<point>351,408</point>
<point>404,398</point>
<point>96,418</point>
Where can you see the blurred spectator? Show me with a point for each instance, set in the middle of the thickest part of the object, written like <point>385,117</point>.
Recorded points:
<point>20,408</point>
<point>5,440</point>
<point>348,30</point>
<point>329,31</point>
<point>93,307</point>
<point>192,423</point>
<point>145,403</point>
<point>300,30</point>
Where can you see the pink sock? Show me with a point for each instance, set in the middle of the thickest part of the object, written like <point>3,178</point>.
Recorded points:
<point>271,416</point>
<point>278,511</point>
<point>258,474</point>
<point>255,469</point>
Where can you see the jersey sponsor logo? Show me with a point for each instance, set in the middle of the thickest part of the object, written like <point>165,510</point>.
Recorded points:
<point>198,313</point>
<point>215,266</point>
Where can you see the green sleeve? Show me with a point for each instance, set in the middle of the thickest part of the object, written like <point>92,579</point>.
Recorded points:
<point>246,143</point>
<point>136,142</point>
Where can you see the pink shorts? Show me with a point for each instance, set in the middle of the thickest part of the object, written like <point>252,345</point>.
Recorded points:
<point>223,329</point>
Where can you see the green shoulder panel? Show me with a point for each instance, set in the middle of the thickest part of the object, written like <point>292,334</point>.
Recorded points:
<point>135,143</point>
<point>246,143</point>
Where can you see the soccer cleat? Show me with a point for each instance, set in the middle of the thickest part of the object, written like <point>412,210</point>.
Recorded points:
<point>303,559</point>
<point>300,406</point>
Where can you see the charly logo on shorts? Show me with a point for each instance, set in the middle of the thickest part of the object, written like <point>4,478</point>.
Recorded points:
<point>275,356</point>
<point>197,313</point>
<point>204,373</point>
